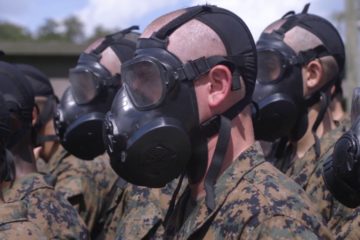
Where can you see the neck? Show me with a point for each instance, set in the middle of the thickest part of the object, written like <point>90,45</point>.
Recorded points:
<point>307,141</point>
<point>337,110</point>
<point>24,159</point>
<point>241,138</point>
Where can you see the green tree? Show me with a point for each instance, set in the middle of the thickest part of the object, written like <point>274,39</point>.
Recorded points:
<point>74,31</point>
<point>49,31</point>
<point>100,32</point>
<point>13,32</point>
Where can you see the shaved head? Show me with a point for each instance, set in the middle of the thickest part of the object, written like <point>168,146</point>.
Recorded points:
<point>300,39</point>
<point>190,41</point>
<point>109,59</point>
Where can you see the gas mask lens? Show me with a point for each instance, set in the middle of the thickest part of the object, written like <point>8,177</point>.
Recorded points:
<point>143,82</point>
<point>84,85</point>
<point>269,66</point>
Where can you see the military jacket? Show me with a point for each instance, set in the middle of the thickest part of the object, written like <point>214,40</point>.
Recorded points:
<point>253,201</point>
<point>137,212</point>
<point>84,183</point>
<point>14,223</point>
<point>46,209</point>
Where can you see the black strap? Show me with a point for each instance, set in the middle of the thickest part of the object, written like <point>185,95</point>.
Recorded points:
<point>306,56</point>
<point>170,27</point>
<point>111,38</point>
<point>173,201</point>
<point>40,139</point>
<point>324,103</point>
<point>305,9</point>
<point>216,162</point>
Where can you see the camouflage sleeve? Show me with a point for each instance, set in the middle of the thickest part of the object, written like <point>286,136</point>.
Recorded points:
<point>21,230</point>
<point>351,229</point>
<point>55,216</point>
<point>142,214</point>
<point>85,185</point>
<point>280,227</point>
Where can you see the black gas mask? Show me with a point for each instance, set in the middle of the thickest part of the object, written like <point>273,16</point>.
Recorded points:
<point>41,86</point>
<point>80,114</point>
<point>4,123</point>
<point>280,106</point>
<point>152,131</point>
<point>341,170</point>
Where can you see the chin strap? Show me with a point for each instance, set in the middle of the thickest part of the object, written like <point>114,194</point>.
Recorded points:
<point>216,162</point>
<point>173,200</point>
<point>324,103</point>
<point>40,139</point>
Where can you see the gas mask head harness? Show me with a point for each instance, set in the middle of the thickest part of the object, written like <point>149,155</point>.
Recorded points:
<point>41,87</point>
<point>19,101</point>
<point>278,97</point>
<point>4,124</point>
<point>152,131</point>
<point>80,114</point>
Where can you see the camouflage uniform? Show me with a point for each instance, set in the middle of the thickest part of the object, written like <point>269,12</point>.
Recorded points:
<point>84,183</point>
<point>307,172</point>
<point>253,200</point>
<point>14,223</point>
<point>46,209</point>
<point>137,212</point>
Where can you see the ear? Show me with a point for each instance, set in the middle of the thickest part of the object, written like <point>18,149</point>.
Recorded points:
<point>35,115</point>
<point>313,75</point>
<point>220,80</point>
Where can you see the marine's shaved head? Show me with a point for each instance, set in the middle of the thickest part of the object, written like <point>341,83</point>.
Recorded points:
<point>190,41</point>
<point>300,39</point>
<point>109,59</point>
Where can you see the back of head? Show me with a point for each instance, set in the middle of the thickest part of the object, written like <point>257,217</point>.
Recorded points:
<point>39,82</point>
<point>19,102</point>
<point>158,100</point>
<point>4,124</point>
<point>18,95</point>
<point>285,48</point>
<point>93,84</point>
<point>45,100</point>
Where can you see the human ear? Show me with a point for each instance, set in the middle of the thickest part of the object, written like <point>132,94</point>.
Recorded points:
<point>220,80</point>
<point>313,75</point>
<point>35,115</point>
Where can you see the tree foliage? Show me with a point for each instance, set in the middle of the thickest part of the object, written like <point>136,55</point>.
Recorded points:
<point>13,32</point>
<point>70,30</point>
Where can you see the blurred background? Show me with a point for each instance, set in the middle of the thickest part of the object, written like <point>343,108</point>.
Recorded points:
<point>51,34</point>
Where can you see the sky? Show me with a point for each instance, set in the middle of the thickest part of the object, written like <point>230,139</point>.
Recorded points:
<point>115,14</point>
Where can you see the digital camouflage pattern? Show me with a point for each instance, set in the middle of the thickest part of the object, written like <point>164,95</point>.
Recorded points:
<point>307,172</point>
<point>84,183</point>
<point>46,209</point>
<point>137,212</point>
<point>253,201</point>
<point>351,228</point>
<point>14,223</point>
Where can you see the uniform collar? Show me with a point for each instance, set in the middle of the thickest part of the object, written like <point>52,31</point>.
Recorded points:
<point>302,168</point>
<point>23,187</point>
<point>227,182</point>
<point>57,158</point>
<point>13,212</point>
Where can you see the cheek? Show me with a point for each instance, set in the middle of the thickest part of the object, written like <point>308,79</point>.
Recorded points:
<point>202,101</point>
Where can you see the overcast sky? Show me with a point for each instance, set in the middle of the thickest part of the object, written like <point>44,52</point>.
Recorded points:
<point>123,13</point>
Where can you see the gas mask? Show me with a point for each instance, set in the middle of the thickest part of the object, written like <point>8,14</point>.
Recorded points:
<point>81,111</point>
<point>280,105</point>
<point>4,123</point>
<point>153,132</point>
<point>19,101</point>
